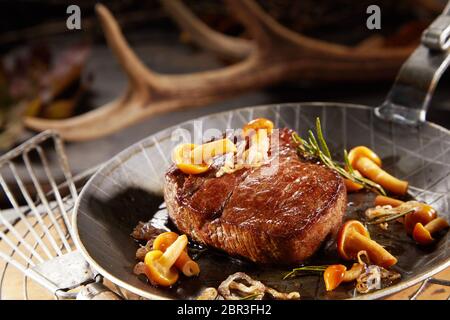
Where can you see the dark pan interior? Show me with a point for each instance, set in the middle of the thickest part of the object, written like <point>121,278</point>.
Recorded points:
<point>129,189</point>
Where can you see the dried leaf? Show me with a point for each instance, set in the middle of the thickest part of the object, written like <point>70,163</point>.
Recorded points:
<point>34,84</point>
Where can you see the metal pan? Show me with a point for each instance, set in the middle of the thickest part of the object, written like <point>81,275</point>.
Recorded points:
<point>128,189</point>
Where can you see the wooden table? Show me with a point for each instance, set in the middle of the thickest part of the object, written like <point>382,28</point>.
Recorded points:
<point>432,292</point>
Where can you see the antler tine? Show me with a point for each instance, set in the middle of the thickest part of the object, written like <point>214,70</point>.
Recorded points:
<point>267,28</point>
<point>268,31</point>
<point>255,21</point>
<point>90,125</point>
<point>278,54</point>
<point>149,92</point>
<point>136,71</point>
<point>224,46</point>
<point>118,113</point>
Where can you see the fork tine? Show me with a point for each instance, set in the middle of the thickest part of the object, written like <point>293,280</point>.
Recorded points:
<point>43,199</point>
<point>34,209</point>
<point>38,238</point>
<point>64,163</point>
<point>19,212</point>
<point>29,272</point>
<point>15,248</point>
<point>55,192</point>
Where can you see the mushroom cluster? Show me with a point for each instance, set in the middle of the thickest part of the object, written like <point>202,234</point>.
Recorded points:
<point>420,219</point>
<point>368,276</point>
<point>240,286</point>
<point>167,257</point>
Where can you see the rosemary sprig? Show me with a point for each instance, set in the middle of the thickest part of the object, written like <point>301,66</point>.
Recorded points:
<point>305,269</point>
<point>390,217</point>
<point>318,148</point>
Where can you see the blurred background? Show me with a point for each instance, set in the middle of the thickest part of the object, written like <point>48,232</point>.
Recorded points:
<point>48,71</point>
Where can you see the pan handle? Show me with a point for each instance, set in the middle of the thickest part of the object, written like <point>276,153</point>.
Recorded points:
<point>410,96</point>
<point>97,291</point>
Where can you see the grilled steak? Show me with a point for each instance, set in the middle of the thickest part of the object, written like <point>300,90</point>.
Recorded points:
<point>278,216</point>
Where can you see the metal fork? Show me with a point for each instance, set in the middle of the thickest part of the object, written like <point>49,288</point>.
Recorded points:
<point>42,248</point>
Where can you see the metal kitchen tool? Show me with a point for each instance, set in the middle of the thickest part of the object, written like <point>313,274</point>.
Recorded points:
<point>37,236</point>
<point>129,188</point>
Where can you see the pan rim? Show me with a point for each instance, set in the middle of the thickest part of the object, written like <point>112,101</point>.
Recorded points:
<point>145,294</point>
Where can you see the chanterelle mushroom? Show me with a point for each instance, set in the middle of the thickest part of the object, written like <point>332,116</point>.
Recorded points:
<point>353,237</point>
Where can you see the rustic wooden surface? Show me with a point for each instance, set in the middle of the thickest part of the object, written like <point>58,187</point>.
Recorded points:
<point>433,292</point>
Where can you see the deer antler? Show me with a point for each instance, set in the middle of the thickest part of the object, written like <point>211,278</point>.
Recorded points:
<point>216,42</point>
<point>275,54</point>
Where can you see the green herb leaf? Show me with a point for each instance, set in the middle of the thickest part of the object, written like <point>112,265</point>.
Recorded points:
<point>326,151</point>
<point>318,148</point>
<point>304,270</point>
<point>347,163</point>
